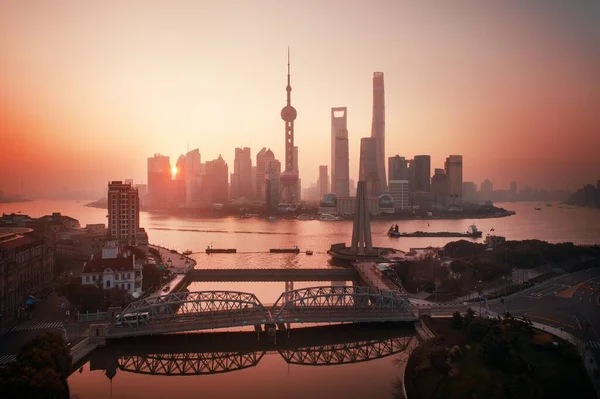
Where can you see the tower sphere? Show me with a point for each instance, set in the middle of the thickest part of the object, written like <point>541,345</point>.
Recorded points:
<point>288,113</point>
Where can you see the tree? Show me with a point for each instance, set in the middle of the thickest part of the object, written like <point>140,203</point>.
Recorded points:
<point>457,320</point>
<point>40,371</point>
<point>469,317</point>
<point>152,277</point>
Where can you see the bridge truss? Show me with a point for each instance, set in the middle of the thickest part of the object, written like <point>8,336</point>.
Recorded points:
<point>180,364</point>
<point>291,305</point>
<point>353,352</point>
<point>197,304</point>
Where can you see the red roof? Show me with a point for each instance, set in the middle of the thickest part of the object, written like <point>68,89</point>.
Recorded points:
<point>99,265</point>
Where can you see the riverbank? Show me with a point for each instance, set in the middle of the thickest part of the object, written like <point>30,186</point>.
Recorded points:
<point>260,213</point>
<point>476,357</point>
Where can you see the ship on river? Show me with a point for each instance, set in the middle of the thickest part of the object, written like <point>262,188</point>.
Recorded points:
<point>472,232</point>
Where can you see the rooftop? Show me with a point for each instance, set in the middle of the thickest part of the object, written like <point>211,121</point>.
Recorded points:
<point>98,265</point>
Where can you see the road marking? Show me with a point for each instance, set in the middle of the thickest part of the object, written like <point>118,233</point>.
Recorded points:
<point>568,293</point>
<point>560,323</point>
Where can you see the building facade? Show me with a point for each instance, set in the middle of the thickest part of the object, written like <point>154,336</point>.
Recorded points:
<point>439,189</point>
<point>400,193</point>
<point>217,177</point>
<point>323,182</point>
<point>114,268</point>
<point>159,181</point>
<point>487,190</point>
<point>397,168</point>
<point>454,171</point>
<point>123,212</point>
<point>378,128</point>
<point>340,159</point>
<point>469,190</point>
<point>422,173</point>
<point>26,269</point>
<point>241,178</point>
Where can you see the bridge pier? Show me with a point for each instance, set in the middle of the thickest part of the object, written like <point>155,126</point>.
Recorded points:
<point>97,333</point>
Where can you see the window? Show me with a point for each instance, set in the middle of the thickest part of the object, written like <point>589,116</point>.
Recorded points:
<point>128,286</point>
<point>87,279</point>
<point>107,283</point>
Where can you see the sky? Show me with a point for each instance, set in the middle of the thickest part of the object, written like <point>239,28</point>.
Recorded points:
<point>90,89</point>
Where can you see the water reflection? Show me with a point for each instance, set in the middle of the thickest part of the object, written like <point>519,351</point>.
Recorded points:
<point>215,353</point>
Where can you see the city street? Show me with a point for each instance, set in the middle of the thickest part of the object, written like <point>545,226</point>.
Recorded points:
<point>571,302</point>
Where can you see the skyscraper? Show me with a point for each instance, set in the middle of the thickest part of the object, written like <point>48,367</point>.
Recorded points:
<point>159,180</point>
<point>323,182</point>
<point>271,179</point>
<point>241,182</point>
<point>378,127</point>
<point>340,163</point>
<point>487,190</point>
<point>469,190</point>
<point>422,180</point>
<point>439,188</point>
<point>261,157</point>
<point>123,212</point>
<point>399,191</point>
<point>217,176</point>
<point>289,177</point>
<point>454,171</point>
<point>367,171</point>
<point>397,168</point>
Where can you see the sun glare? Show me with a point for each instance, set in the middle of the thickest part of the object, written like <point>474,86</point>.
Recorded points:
<point>174,171</point>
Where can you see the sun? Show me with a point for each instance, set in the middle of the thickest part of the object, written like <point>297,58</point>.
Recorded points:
<point>174,171</point>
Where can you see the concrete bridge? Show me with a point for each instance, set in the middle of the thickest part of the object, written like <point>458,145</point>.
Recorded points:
<point>206,310</point>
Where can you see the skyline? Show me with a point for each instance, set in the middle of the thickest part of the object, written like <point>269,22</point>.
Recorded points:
<point>509,86</point>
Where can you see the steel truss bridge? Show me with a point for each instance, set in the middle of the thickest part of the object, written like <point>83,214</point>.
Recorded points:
<point>181,364</point>
<point>205,310</point>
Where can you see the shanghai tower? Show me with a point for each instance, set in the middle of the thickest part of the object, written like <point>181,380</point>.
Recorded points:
<point>378,127</point>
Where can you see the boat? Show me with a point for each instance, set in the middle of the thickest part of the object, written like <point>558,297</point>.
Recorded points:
<point>537,209</point>
<point>294,250</point>
<point>271,218</point>
<point>210,250</point>
<point>327,217</point>
<point>309,252</point>
<point>472,232</point>
<point>187,252</point>
<point>306,216</point>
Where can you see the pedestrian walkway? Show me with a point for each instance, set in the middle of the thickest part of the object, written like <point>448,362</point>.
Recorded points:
<point>593,345</point>
<point>38,326</point>
<point>7,359</point>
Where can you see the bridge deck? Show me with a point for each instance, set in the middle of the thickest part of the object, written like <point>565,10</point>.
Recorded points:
<point>272,275</point>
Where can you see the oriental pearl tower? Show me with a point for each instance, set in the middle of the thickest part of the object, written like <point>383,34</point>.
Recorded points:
<point>289,177</point>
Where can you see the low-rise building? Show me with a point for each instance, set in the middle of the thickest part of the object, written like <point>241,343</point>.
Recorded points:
<point>114,267</point>
<point>26,269</point>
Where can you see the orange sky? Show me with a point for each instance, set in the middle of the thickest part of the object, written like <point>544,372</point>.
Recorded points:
<point>90,89</point>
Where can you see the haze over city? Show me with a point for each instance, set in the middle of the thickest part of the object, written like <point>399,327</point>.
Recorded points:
<point>91,89</point>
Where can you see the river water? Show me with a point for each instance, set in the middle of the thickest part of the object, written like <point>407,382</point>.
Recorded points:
<point>273,375</point>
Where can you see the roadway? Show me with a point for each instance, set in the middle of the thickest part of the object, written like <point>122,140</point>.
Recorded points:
<point>570,303</point>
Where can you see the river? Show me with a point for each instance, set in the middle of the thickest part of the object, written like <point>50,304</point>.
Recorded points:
<point>273,375</point>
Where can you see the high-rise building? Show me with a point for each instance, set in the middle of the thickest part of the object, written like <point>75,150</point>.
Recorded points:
<point>367,171</point>
<point>217,178</point>
<point>241,178</point>
<point>340,163</point>
<point>352,188</point>
<point>397,168</point>
<point>123,212</point>
<point>323,182</point>
<point>399,191</point>
<point>439,189</point>
<point>271,179</point>
<point>410,169</point>
<point>513,189</point>
<point>378,128</point>
<point>159,180</point>
<point>487,190</point>
<point>263,158</point>
<point>454,171</point>
<point>192,177</point>
<point>289,177</point>
<point>422,169</point>
<point>469,190</point>
<point>299,182</point>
